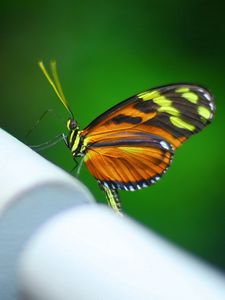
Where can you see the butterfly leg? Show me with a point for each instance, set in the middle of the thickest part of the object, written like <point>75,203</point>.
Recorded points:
<point>113,199</point>
<point>78,165</point>
<point>45,113</point>
<point>49,143</point>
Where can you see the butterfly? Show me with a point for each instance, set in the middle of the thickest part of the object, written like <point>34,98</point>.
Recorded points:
<point>131,145</point>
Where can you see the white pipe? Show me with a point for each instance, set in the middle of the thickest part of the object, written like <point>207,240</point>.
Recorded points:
<point>87,252</point>
<point>22,169</point>
<point>92,254</point>
<point>32,190</point>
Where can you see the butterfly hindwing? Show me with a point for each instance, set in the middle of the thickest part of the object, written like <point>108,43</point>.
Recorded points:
<point>129,161</point>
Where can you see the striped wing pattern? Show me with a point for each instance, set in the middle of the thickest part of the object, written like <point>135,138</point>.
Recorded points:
<point>129,163</point>
<point>131,145</point>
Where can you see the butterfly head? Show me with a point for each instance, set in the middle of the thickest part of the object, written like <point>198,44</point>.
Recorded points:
<point>72,124</point>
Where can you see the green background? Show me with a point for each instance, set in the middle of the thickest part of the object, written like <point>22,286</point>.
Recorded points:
<point>107,51</point>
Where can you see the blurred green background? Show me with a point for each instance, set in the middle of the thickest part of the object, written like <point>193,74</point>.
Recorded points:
<point>107,51</point>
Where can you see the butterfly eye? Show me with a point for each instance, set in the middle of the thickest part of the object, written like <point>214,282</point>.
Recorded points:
<point>71,124</point>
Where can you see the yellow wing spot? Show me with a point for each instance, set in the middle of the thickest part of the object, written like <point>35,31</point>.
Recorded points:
<point>149,95</point>
<point>181,124</point>
<point>132,149</point>
<point>166,106</point>
<point>204,112</point>
<point>190,96</point>
<point>162,101</point>
<point>169,110</point>
<point>182,90</point>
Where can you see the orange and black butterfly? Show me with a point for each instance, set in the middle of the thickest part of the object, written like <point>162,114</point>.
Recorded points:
<point>131,145</point>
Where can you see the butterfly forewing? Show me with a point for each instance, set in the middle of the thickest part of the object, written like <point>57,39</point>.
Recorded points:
<point>175,112</point>
<point>131,145</point>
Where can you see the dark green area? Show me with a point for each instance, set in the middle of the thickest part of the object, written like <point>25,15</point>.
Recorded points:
<point>107,51</point>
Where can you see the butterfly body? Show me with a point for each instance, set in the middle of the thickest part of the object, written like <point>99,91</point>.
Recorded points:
<point>131,145</point>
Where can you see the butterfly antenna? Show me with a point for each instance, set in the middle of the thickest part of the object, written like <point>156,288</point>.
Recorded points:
<point>36,124</point>
<point>55,83</point>
<point>48,144</point>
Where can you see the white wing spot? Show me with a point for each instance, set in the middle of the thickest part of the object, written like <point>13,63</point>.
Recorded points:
<point>207,96</point>
<point>165,145</point>
<point>211,106</point>
<point>131,188</point>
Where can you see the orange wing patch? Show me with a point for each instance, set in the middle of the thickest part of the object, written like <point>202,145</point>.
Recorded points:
<point>127,117</point>
<point>129,166</point>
